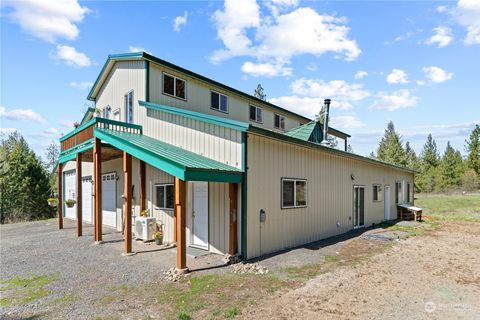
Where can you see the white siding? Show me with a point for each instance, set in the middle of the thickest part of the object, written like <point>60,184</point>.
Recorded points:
<point>329,193</point>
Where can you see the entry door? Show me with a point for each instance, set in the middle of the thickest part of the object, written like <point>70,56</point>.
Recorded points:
<point>200,215</point>
<point>387,202</point>
<point>69,193</point>
<point>109,200</point>
<point>358,206</point>
<point>87,203</point>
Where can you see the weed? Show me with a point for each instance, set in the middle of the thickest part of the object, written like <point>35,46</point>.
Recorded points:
<point>183,316</point>
<point>232,312</point>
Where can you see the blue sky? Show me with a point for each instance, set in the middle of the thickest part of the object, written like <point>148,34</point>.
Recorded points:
<point>413,62</point>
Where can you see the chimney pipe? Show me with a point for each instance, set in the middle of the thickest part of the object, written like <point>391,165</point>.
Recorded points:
<point>325,122</point>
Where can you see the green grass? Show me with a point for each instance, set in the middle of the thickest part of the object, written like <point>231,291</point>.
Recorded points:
<point>232,313</point>
<point>450,207</point>
<point>19,291</point>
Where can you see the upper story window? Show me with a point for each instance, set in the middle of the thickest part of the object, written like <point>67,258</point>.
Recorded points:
<point>256,114</point>
<point>294,193</point>
<point>106,112</point>
<point>219,101</point>
<point>129,107</point>
<point>174,86</point>
<point>116,114</point>
<point>279,121</point>
<point>377,192</point>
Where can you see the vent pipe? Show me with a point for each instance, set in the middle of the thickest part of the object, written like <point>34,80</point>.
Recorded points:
<point>325,122</point>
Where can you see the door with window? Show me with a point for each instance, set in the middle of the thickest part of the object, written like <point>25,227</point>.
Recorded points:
<point>200,215</point>
<point>358,206</point>
<point>387,203</point>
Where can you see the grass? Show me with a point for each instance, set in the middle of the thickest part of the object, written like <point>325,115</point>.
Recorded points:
<point>450,207</point>
<point>19,291</point>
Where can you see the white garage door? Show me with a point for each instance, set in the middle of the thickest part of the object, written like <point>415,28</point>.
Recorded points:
<point>69,193</point>
<point>109,199</point>
<point>87,201</point>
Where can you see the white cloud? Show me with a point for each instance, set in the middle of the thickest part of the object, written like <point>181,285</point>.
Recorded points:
<point>306,106</point>
<point>467,14</point>
<point>180,21</point>
<point>72,57</point>
<point>138,49</point>
<point>420,83</point>
<point>21,115</point>
<point>81,85</point>
<point>265,69</point>
<point>48,20</point>
<point>437,75</point>
<point>276,38</point>
<point>393,101</point>
<point>360,74</point>
<point>442,37</point>
<point>50,133</point>
<point>7,131</point>
<point>397,76</point>
<point>441,9</point>
<point>347,121</point>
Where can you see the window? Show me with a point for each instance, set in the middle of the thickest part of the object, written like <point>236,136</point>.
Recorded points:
<point>106,112</point>
<point>174,86</point>
<point>409,193</point>
<point>294,193</point>
<point>116,115</point>
<point>377,192</point>
<point>164,196</point>
<point>219,101</point>
<point>129,107</point>
<point>398,192</point>
<point>256,114</point>
<point>279,121</point>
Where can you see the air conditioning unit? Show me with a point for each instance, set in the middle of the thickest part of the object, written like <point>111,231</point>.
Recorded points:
<point>145,227</point>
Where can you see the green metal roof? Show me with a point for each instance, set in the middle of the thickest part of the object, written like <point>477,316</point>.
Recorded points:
<point>185,165</point>
<point>70,154</point>
<point>302,132</point>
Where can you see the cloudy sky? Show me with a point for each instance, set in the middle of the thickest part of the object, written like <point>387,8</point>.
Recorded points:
<point>413,62</point>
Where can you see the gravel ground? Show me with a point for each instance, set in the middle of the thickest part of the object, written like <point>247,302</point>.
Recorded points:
<point>86,272</point>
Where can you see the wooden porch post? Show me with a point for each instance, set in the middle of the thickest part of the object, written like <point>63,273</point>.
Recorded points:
<point>181,210</point>
<point>232,238</point>
<point>127,196</point>
<point>97,172</point>
<point>142,186</point>
<point>60,196</point>
<point>79,194</point>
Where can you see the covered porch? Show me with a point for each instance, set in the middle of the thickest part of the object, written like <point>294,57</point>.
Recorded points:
<point>101,140</point>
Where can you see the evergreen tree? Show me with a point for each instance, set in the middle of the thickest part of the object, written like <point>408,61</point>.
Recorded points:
<point>390,148</point>
<point>427,178</point>
<point>23,181</point>
<point>260,93</point>
<point>410,156</point>
<point>429,153</point>
<point>473,150</point>
<point>450,169</point>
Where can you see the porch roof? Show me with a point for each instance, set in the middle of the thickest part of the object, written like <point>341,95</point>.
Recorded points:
<point>183,164</point>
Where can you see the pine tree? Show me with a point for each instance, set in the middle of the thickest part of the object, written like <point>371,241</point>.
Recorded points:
<point>429,153</point>
<point>473,150</point>
<point>390,148</point>
<point>410,156</point>
<point>450,169</point>
<point>260,93</point>
<point>427,179</point>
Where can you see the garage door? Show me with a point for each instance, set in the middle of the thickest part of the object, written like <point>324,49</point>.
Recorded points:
<point>69,193</point>
<point>87,201</point>
<point>109,199</point>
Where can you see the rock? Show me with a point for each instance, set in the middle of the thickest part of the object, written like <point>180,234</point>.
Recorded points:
<point>252,268</point>
<point>231,259</point>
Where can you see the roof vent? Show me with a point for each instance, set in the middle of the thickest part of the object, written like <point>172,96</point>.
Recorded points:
<point>326,110</point>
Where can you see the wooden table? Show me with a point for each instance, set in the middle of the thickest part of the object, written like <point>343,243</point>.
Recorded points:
<point>406,211</point>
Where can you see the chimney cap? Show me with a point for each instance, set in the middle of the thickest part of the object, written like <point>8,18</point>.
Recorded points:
<point>327,101</point>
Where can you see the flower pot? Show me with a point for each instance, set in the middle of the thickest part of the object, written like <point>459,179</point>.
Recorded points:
<point>158,241</point>
<point>70,204</point>
<point>52,203</point>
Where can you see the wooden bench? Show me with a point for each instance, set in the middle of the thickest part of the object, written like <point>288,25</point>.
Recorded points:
<point>408,212</point>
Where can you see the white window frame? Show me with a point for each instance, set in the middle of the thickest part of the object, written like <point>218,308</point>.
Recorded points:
<point>164,186</point>
<point>117,111</point>
<point>379,192</point>
<point>280,117</point>
<point>219,101</point>
<point>256,113</point>
<point>174,95</point>
<point>129,115</point>
<point>295,180</point>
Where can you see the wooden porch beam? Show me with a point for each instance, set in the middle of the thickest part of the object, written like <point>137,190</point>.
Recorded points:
<point>127,196</point>
<point>232,234</point>
<point>60,196</point>
<point>78,175</point>
<point>97,172</point>
<point>143,191</point>
<point>181,210</point>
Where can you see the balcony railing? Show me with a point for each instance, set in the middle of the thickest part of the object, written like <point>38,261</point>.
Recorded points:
<point>84,132</point>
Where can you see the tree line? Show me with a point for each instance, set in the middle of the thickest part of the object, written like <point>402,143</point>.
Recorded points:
<point>435,172</point>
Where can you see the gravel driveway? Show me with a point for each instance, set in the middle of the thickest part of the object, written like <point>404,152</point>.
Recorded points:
<point>79,273</point>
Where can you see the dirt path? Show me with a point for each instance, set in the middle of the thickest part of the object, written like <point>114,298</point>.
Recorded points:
<point>433,276</point>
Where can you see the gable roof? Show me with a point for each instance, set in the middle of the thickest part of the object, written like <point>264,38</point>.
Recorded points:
<point>313,132</point>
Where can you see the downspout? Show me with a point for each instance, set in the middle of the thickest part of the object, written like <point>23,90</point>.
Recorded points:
<point>244,196</point>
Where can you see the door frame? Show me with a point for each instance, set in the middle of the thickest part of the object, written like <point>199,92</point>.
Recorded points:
<point>115,199</point>
<point>64,193</point>
<point>83,200</point>
<point>192,220</point>
<point>385,206</point>
<point>353,209</point>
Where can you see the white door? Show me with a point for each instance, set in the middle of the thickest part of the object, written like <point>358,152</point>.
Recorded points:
<point>69,193</point>
<point>109,200</point>
<point>200,215</point>
<point>87,203</point>
<point>387,202</point>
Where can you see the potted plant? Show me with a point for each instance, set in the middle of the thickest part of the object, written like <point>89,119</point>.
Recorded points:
<point>98,112</point>
<point>52,202</point>
<point>158,236</point>
<point>70,203</point>
<point>144,213</point>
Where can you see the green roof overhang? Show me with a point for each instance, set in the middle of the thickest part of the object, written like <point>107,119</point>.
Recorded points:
<point>178,162</point>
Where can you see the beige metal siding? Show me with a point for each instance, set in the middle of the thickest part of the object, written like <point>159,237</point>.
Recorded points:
<point>124,77</point>
<point>198,99</point>
<point>218,220</point>
<point>329,193</point>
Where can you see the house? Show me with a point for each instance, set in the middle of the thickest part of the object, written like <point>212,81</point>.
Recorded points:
<point>222,170</point>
